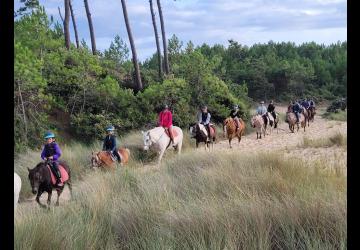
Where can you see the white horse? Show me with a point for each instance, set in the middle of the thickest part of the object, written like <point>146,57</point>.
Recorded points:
<point>158,140</point>
<point>17,188</point>
<point>270,122</point>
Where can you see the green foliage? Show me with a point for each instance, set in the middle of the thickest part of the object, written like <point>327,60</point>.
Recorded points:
<point>97,90</point>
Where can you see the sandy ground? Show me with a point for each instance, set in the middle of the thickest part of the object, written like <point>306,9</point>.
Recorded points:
<point>281,141</point>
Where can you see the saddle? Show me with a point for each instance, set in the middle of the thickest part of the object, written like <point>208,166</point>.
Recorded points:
<point>174,132</point>
<point>64,175</point>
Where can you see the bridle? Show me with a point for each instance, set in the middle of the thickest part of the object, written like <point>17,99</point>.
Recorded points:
<point>151,139</point>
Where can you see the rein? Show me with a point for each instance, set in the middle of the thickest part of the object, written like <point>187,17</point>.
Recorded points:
<point>157,139</point>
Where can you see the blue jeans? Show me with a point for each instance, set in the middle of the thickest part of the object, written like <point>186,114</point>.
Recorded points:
<point>297,116</point>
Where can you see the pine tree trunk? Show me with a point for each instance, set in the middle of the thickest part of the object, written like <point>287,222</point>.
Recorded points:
<point>166,61</point>
<point>132,45</point>
<point>74,25</point>
<point>156,38</point>
<point>66,24</point>
<point>92,36</point>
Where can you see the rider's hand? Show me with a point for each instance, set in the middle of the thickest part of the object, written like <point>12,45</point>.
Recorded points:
<point>50,157</point>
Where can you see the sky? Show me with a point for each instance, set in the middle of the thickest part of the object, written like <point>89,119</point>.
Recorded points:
<point>210,21</point>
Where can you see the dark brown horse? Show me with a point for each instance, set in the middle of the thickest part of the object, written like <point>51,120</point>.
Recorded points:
<point>41,181</point>
<point>198,131</point>
<point>312,113</point>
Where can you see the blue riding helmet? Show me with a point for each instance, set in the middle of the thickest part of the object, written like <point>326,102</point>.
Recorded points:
<point>110,128</point>
<point>49,135</point>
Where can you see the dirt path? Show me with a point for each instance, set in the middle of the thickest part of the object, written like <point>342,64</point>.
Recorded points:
<point>288,144</point>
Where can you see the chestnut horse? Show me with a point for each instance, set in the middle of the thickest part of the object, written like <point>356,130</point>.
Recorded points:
<point>105,160</point>
<point>229,128</point>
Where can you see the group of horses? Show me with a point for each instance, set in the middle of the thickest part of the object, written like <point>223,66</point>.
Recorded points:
<point>305,117</point>
<point>43,180</point>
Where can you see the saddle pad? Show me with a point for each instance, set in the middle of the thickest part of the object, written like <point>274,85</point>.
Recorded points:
<point>64,175</point>
<point>174,132</point>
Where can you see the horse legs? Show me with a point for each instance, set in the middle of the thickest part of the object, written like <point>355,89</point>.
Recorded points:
<point>230,142</point>
<point>49,197</point>
<point>179,146</point>
<point>38,199</point>
<point>161,155</point>
<point>59,191</point>
<point>70,186</point>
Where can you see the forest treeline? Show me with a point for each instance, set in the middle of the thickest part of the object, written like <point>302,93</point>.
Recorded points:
<point>71,87</point>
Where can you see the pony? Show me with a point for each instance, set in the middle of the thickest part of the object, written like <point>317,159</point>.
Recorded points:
<point>17,188</point>
<point>268,120</point>
<point>229,127</point>
<point>312,113</point>
<point>257,122</point>
<point>105,160</point>
<point>305,112</point>
<point>199,132</point>
<point>159,140</point>
<point>43,180</point>
<point>291,119</point>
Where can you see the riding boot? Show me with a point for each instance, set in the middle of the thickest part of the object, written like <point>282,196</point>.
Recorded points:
<point>208,130</point>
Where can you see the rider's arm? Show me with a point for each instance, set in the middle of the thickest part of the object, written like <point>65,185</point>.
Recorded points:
<point>57,152</point>
<point>199,118</point>
<point>113,140</point>
<point>43,153</point>
<point>208,119</point>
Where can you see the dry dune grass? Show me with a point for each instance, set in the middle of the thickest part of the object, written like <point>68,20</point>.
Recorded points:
<point>196,201</point>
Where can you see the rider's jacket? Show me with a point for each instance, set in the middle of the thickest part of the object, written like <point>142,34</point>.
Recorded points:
<point>51,149</point>
<point>109,143</point>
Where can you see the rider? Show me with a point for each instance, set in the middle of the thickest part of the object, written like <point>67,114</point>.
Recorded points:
<point>51,152</point>
<point>261,110</point>
<point>203,117</point>
<point>297,109</point>
<point>305,104</point>
<point>110,142</point>
<point>271,109</point>
<point>235,114</point>
<point>312,103</point>
<point>165,121</point>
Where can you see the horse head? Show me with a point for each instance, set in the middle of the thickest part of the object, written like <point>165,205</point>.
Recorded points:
<point>192,129</point>
<point>36,177</point>
<point>95,160</point>
<point>146,139</point>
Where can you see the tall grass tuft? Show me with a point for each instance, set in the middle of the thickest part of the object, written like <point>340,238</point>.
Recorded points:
<point>337,139</point>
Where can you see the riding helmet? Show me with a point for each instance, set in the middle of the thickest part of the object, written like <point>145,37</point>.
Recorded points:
<point>110,128</point>
<point>48,135</point>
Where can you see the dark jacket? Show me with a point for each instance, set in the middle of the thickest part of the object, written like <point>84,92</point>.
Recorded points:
<point>235,113</point>
<point>271,107</point>
<point>297,108</point>
<point>109,143</point>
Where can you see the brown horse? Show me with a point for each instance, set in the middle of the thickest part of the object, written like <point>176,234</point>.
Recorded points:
<point>291,119</point>
<point>305,112</point>
<point>43,180</point>
<point>105,160</point>
<point>229,127</point>
<point>312,113</point>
